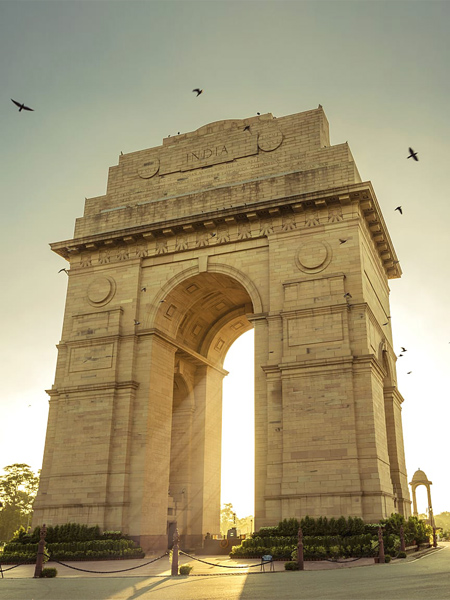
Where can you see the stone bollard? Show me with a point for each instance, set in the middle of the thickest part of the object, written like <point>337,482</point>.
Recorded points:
<point>40,552</point>
<point>301,566</point>
<point>175,553</point>
<point>402,539</point>
<point>381,556</point>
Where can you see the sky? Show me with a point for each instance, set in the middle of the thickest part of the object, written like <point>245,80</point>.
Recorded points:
<point>105,77</point>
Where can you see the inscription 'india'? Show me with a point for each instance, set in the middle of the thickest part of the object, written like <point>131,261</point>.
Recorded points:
<point>206,153</point>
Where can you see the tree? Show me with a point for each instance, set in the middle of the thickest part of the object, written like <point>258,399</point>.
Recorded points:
<point>18,489</point>
<point>229,519</point>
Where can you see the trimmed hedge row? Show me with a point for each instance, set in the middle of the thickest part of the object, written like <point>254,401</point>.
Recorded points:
<point>92,549</point>
<point>315,547</point>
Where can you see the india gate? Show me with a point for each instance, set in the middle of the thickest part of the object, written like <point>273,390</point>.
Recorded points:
<point>253,223</point>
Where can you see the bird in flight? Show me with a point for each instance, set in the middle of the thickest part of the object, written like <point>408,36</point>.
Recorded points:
<point>137,322</point>
<point>341,241</point>
<point>247,128</point>
<point>199,91</point>
<point>347,295</point>
<point>403,349</point>
<point>409,372</point>
<point>399,208</point>
<point>144,289</point>
<point>21,106</point>
<point>412,154</point>
<point>65,271</point>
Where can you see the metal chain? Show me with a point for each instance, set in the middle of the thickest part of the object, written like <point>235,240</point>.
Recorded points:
<point>107,572</point>
<point>223,566</point>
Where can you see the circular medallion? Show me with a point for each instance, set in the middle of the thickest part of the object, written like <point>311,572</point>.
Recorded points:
<point>101,290</point>
<point>149,168</point>
<point>313,257</point>
<point>270,140</point>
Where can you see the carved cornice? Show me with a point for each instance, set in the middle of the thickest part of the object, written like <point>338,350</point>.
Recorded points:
<point>238,223</point>
<point>54,393</point>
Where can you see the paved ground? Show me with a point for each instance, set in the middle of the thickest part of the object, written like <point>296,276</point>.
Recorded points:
<point>414,578</point>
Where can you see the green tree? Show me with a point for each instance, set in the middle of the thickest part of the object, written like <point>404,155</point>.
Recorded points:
<point>18,489</point>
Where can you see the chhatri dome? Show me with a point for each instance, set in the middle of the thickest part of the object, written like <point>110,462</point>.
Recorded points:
<point>419,477</point>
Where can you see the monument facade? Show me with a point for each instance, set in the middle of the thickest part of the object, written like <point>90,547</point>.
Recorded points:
<point>254,223</point>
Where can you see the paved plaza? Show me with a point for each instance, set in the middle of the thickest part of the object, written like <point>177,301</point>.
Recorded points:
<point>419,576</point>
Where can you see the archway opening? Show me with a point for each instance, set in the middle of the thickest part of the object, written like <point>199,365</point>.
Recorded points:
<point>238,433</point>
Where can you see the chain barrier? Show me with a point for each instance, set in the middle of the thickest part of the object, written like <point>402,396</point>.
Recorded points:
<point>24,562</point>
<point>107,572</point>
<point>223,566</point>
<point>336,560</point>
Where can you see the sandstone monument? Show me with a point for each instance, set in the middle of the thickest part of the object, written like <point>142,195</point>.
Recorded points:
<point>254,223</point>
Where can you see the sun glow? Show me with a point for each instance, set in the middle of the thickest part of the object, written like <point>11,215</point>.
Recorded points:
<point>238,427</point>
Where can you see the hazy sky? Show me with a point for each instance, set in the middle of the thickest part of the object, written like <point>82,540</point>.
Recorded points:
<point>105,77</point>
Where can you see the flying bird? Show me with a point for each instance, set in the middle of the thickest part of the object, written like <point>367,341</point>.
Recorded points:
<point>65,271</point>
<point>400,355</point>
<point>199,91</point>
<point>347,295</point>
<point>409,372</point>
<point>403,349</point>
<point>387,323</point>
<point>412,154</point>
<point>258,114</point>
<point>399,208</point>
<point>137,322</point>
<point>144,289</point>
<point>341,241</point>
<point>21,106</point>
<point>247,128</point>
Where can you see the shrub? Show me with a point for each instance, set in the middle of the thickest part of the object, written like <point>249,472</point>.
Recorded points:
<point>387,558</point>
<point>291,566</point>
<point>401,555</point>
<point>49,572</point>
<point>185,569</point>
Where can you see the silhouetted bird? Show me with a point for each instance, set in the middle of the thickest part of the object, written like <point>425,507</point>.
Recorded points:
<point>399,208</point>
<point>21,106</point>
<point>347,295</point>
<point>247,128</point>
<point>342,241</point>
<point>137,322</point>
<point>144,289</point>
<point>400,355</point>
<point>65,271</point>
<point>258,114</point>
<point>403,349</point>
<point>199,91</point>
<point>409,372</point>
<point>412,154</point>
<point>387,323</point>
<point>121,153</point>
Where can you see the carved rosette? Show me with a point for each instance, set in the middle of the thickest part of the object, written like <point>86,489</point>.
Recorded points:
<point>202,239</point>
<point>86,259</point>
<point>266,227</point>
<point>288,223</point>
<point>244,231</point>
<point>123,253</point>
<point>104,257</point>
<point>223,233</point>
<point>335,213</point>
<point>181,243</point>
<point>142,251</point>
<point>161,246</point>
<point>311,217</point>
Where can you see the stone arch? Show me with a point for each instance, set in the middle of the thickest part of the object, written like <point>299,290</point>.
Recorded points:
<point>419,478</point>
<point>225,269</point>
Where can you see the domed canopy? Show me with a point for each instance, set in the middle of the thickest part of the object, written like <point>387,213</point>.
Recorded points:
<point>420,477</point>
